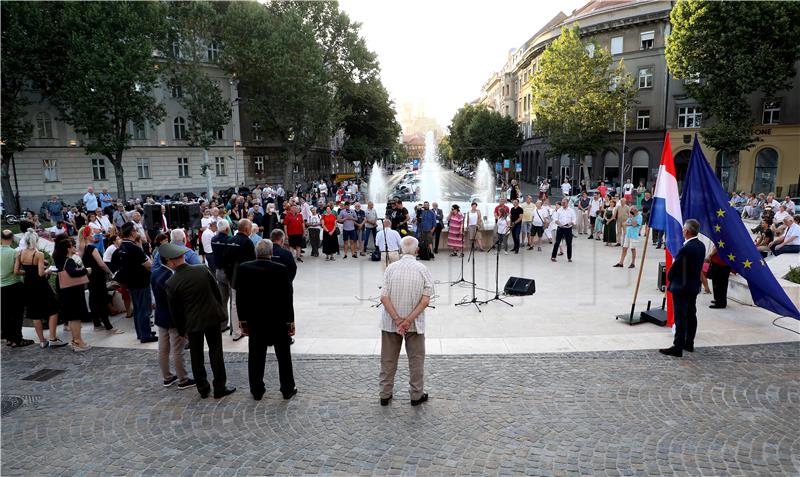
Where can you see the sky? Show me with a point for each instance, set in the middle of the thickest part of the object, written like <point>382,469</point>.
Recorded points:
<point>438,53</point>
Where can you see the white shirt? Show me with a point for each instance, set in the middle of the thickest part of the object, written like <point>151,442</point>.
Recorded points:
<point>779,216</point>
<point>205,221</point>
<point>792,231</point>
<point>789,206</point>
<point>502,226</point>
<point>565,188</point>
<point>205,239</point>
<point>472,218</point>
<point>90,201</point>
<point>405,282</point>
<point>628,189</point>
<point>109,252</point>
<point>565,217</point>
<point>539,216</point>
<point>774,204</point>
<point>594,206</point>
<point>391,243</point>
<point>104,224</point>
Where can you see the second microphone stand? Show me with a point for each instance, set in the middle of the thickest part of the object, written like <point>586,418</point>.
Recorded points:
<point>496,279</point>
<point>474,299</point>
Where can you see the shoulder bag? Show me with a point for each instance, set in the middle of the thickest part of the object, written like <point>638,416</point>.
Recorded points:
<point>67,281</point>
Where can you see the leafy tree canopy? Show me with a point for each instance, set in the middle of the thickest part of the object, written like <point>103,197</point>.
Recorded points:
<point>476,133</point>
<point>578,95</point>
<point>730,50</point>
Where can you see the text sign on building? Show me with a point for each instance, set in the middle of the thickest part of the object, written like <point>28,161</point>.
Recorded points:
<point>519,167</point>
<point>506,164</point>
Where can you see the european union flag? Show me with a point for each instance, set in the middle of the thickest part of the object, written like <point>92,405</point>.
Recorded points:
<point>705,200</point>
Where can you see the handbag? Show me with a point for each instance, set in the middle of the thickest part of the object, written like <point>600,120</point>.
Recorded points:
<point>67,281</point>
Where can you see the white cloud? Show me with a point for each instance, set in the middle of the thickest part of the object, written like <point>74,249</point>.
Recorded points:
<point>437,54</point>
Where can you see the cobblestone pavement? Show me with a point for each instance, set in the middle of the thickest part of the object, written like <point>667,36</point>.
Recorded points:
<point>719,411</point>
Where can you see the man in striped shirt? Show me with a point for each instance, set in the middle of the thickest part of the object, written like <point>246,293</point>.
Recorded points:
<point>407,289</point>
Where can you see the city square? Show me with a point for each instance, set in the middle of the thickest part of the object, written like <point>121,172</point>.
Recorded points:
<point>302,238</point>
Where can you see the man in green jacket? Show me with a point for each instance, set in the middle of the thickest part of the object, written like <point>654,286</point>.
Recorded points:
<point>196,306</point>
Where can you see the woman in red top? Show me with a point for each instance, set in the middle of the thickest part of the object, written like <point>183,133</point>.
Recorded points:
<point>295,229</point>
<point>330,244</point>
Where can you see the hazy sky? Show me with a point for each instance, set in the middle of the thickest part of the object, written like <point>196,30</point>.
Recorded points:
<point>438,53</point>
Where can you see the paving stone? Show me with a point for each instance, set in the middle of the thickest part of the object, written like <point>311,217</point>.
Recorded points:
<point>718,411</point>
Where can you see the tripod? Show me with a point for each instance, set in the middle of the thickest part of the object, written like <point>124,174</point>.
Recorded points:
<point>497,278</point>
<point>474,300</point>
<point>461,277</point>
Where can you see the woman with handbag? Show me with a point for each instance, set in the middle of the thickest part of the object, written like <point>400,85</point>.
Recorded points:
<point>98,291</point>
<point>71,282</point>
<point>40,301</point>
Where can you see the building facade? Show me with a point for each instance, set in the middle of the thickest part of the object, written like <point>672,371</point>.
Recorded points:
<point>636,31</point>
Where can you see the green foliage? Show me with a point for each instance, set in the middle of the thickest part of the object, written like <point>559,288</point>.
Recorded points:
<point>444,150</point>
<point>478,133</point>
<point>100,71</point>
<point>576,97</point>
<point>733,49</point>
<point>368,120</point>
<point>192,27</point>
<point>793,275</point>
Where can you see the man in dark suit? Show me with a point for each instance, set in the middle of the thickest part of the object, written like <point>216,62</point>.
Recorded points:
<point>238,250</point>
<point>195,304</point>
<point>266,329</point>
<point>684,284</point>
<point>281,255</point>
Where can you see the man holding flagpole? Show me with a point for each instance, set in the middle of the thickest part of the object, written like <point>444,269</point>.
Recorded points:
<point>684,284</point>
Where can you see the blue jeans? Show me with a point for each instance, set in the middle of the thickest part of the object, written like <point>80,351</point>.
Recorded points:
<point>142,305</point>
<point>786,249</point>
<point>365,236</point>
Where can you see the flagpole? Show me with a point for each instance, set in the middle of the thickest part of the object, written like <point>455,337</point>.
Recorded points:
<point>641,269</point>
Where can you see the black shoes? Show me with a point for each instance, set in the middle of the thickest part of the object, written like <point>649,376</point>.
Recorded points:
<point>189,383</point>
<point>672,351</point>
<point>689,348</point>
<point>225,392</point>
<point>422,399</point>
<point>385,401</point>
<point>258,397</point>
<point>716,306</point>
<point>151,339</point>
<point>290,395</point>
<point>169,382</point>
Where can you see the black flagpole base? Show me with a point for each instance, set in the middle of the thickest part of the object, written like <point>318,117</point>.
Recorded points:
<point>496,298</point>
<point>474,301</point>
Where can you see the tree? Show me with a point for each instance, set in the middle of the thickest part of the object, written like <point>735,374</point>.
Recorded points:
<point>478,133</point>
<point>728,50</point>
<point>290,91</point>
<point>444,151</point>
<point>102,73</point>
<point>368,120</point>
<point>191,31</point>
<point>577,96</point>
<point>493,136</point>
<point>18,26</point>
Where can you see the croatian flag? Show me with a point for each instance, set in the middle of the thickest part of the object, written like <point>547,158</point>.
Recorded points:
<point>666,213</point>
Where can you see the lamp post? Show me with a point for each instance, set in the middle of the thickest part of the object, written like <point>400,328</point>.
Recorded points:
<point>624,138</point>
<point>236,142</point>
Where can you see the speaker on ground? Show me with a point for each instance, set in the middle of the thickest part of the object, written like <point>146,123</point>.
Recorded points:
<point>520,286</point>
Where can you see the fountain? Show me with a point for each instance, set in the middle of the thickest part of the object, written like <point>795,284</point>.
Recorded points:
<point>377,187</point>
<point>484,182</point>
<point>431,172</point>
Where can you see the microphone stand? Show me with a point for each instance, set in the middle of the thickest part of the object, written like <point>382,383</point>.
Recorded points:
<point>497,278</point>
<point>474,300</point>
<point>461,277</point>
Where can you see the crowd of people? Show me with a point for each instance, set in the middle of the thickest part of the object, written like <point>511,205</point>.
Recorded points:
<point>194,283</point>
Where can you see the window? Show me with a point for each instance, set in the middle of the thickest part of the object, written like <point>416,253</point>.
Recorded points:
<point>218,134</point>
<point>772,112</point>
<point>689,117</point>
<point>139,131</point>
<point>694,78</point>
<point>219,165</point>
<point>258,164</point>
<point>143,167</point>
<point>176,49</point>
<point>766,171</point>
<point>179,128</point>
<point>616,45</point>
<point>726,169</point>
<point>645,77</point>
<point>647,38</point>
<point>177,91</point>
<point>44,126</point>
<point>590,50</point>
<point>642,119</point>
<point>213,51</point>
<point>50,168</point>
<point>183,167</point>
<point>99,169</point>
<point>257,132</point>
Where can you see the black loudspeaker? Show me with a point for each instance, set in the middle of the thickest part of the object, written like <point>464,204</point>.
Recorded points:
<point>194,217</point>
<point>174,212</point>
<point>152,215</point>
<point>520,286</point>
<point>662,276</point>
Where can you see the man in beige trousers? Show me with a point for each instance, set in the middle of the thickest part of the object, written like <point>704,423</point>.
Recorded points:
<point>407,289</point>
<point>621,214</point>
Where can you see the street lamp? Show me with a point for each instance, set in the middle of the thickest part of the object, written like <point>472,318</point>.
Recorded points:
<point>235,161</point>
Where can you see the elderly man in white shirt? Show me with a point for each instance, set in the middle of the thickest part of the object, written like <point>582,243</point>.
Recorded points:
<point>564,219</point>
<point>90,200</point>
<point>406,292</point>
<point>388,242</point>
